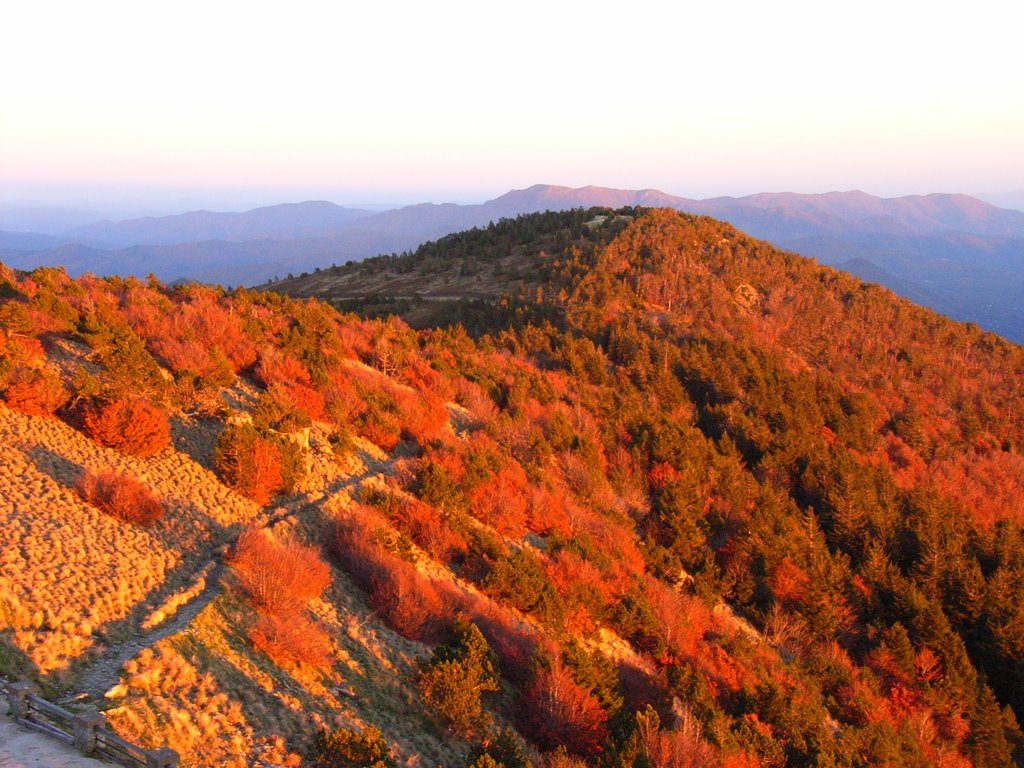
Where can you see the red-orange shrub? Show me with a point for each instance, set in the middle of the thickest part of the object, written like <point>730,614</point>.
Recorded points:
<point>474,399</point>
<point>501,502</point>
<point>409,602</point>
<point>558,711</point>
<point>354,338</point>
<point>121,496</point>
<point>581,588</point>
<point>789,584</point>
<point>135,427</point>
<point>680,748</point>
<point>275,367</point>
<point>424,524</point>
<point>406,599</point>
<point>210,319</point>
<point>423,419</point>
<point>291,637</point>
<point>549,510</point>
<point>255,465</point>
<point>305,400</point>
<point>381,429</point>
<point>280,576</point>
<point>36,393</point>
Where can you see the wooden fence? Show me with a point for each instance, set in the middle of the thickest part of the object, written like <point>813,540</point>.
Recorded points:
<point>86,731</point>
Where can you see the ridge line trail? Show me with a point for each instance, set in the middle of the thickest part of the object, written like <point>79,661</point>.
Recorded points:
<point>105,672</point>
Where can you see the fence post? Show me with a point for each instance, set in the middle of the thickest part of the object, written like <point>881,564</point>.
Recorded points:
<point>84,726</point>
<point>17,697</point>
<point>162,758</point>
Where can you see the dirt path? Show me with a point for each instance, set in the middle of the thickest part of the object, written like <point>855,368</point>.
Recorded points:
<point>105,672</point>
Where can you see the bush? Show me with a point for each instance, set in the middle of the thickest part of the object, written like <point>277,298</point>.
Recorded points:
<point>452,681</point>
<point>36,393</point>
<point>430,531</point>
<point>406,600</point>
<point>279,576</point>
<point>381,429</point>
<point>134,427</point>
<point>247,463</point>
<point>258,466</point>
<point>350,749</point>
<point>292,637</point>
<point>121,496</point>
<point>559,712</point>
<point>276,367</point>
<point>501,502</point>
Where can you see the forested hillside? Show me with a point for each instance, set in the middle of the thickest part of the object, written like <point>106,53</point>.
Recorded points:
<point>641,491</point>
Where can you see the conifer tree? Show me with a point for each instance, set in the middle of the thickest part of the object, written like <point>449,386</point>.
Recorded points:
<point>453,680</point>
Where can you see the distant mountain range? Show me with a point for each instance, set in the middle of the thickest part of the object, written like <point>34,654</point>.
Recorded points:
<point>957,254</point>
<point>290,221</point>
<point>1013,199</point>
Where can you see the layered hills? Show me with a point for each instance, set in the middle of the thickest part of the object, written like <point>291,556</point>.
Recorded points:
<point>637,490</point>
<point>953,253</point>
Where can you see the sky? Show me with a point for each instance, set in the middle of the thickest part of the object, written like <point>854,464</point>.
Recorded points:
<point>389,102</point>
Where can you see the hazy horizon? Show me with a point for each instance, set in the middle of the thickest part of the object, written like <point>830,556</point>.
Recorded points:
<point>156,202</point>
<point>458,102</point>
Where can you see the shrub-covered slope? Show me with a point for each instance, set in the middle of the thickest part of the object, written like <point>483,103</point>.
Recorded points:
<point>679,499</point>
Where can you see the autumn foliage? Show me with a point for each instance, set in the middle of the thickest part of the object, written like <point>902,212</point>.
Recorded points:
<point>778,505</point>
<point>406,599</point>
<point>256,464</point>
<point>121,496</point>
<point>280,578</point>
<point>278,575</point>
<point>133,426</point>
<point>36,393</point>
<point>559,712</point>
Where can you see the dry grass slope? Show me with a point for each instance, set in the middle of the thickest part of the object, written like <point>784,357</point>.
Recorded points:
<point>210,694</point>
<point>111,574</point>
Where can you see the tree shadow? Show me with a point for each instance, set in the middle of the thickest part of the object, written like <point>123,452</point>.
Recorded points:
<point>196,438</point>
<point>15,664</point>
<point>59,468</point>
<point>184,527</point>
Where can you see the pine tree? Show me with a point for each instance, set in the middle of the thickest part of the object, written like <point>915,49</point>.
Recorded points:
<point>452,681</point>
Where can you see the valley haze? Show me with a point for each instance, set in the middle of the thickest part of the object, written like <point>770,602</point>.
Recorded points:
<point>954,253</point>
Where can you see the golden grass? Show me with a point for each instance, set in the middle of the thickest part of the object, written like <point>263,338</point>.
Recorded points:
<point>110,573</point>
<point>209,694</point>
<point>177,599</point>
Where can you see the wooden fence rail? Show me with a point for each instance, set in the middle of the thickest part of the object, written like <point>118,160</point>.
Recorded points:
<point>86,731</point>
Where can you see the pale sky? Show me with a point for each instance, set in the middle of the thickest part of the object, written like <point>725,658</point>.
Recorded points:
<point>465,100</point>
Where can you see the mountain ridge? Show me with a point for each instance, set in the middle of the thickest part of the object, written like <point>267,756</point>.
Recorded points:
<point>815,225</point>
<point>284,221</point>
<point>660,489</point>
